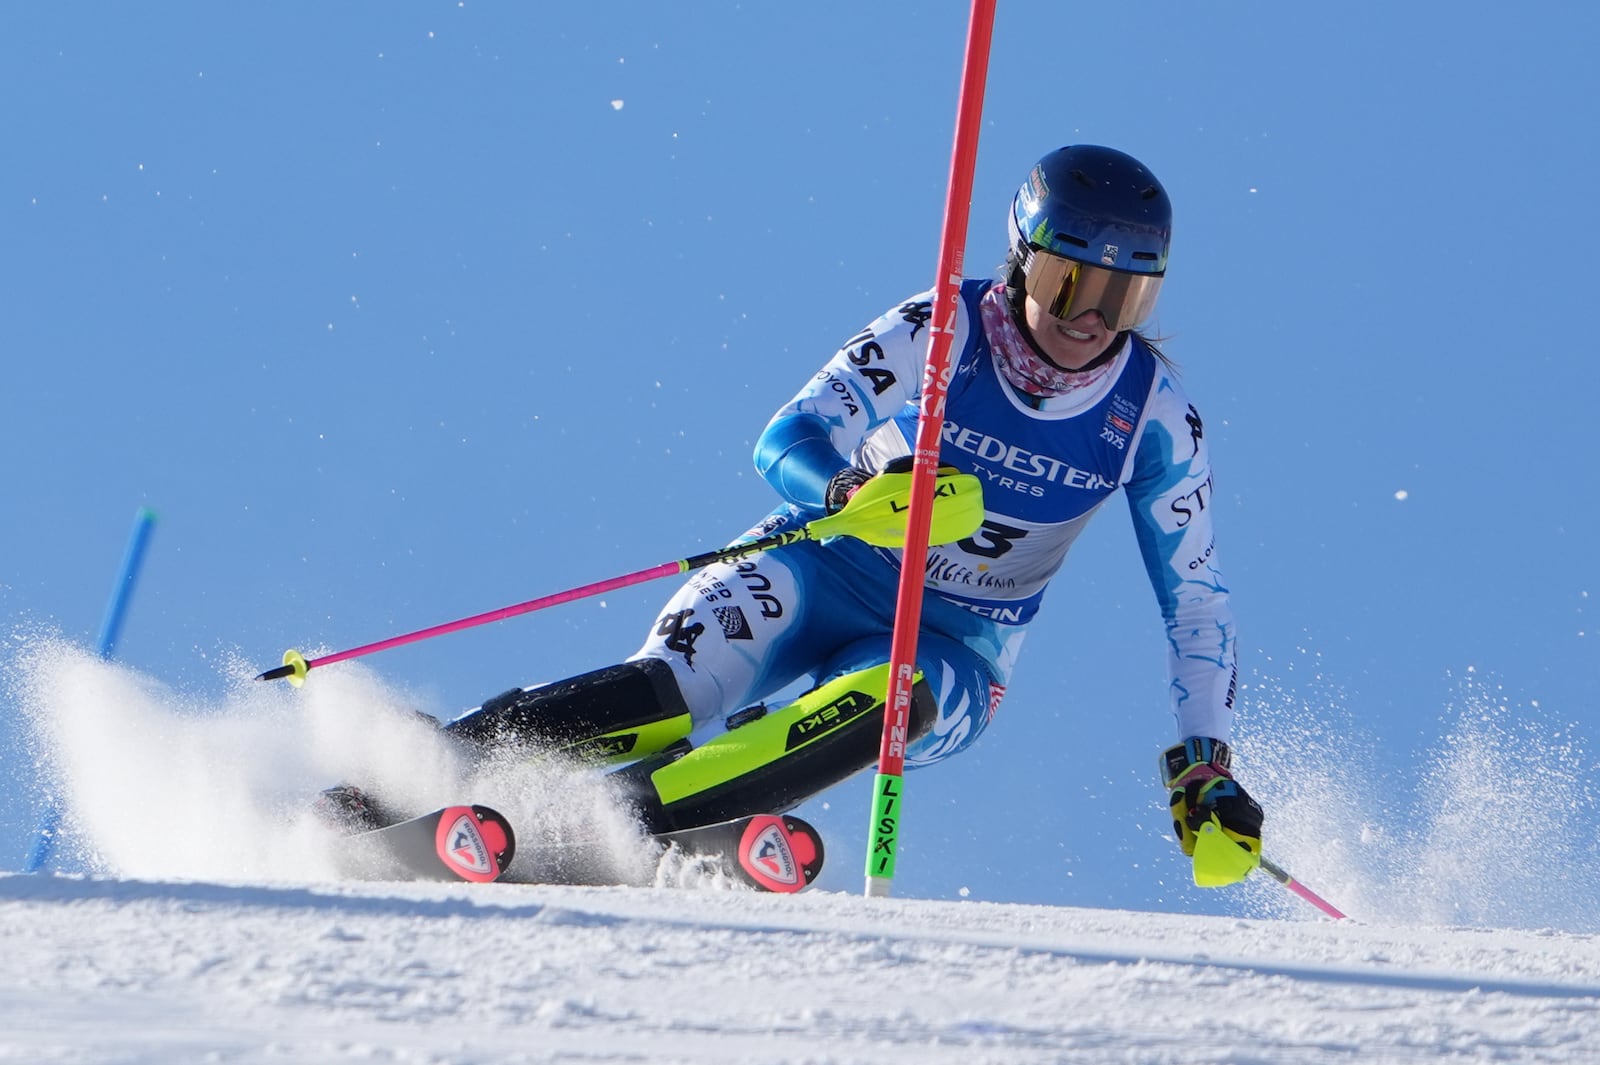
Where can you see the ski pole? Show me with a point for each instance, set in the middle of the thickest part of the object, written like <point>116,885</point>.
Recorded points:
<point>110,628</point>
<point>1282,876</point>
<point>875,514</point>
<point>883,833</point>
<point>1219,861</point>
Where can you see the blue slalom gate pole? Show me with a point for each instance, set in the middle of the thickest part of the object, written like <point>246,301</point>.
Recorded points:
<point>132,558</point>
<point>110,628</point>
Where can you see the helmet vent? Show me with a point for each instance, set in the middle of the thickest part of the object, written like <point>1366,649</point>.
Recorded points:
<point>1150,192</point>
<point>1147,255</point>
<point>1083,179</point>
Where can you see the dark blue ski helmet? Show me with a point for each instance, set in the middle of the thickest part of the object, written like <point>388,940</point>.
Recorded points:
<point>1090,229</point>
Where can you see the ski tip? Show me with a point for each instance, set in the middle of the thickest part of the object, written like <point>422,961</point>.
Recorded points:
<point>780,854</point>
<point>475,843</point>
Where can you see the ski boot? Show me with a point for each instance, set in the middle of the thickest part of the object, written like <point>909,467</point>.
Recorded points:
<point>348,810</point>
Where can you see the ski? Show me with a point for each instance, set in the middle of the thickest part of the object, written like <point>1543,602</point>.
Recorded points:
<point>769,852</point>
<point>776,853</point>
<point>471,843</point>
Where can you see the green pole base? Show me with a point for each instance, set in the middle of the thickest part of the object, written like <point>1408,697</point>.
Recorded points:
<point>884,835</point>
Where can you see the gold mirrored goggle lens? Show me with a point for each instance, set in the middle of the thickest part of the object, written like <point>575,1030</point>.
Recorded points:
<point>1067,288</point>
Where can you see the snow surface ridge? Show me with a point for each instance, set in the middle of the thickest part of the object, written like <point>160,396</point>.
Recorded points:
<point>1490,960</point>
<point>137,970</point>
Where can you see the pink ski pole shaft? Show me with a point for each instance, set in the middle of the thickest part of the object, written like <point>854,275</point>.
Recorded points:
<point>1282,876</point>
<point>875,514</point>
<point>296,665</point>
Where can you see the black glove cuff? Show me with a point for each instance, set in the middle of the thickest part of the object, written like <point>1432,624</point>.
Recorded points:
<point>841,484</point>
<point>1192,751</point>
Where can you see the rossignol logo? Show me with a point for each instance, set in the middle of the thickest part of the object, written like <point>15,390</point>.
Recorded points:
<point>770,854</point>
<point>466,849</point>
<point>836,714</point>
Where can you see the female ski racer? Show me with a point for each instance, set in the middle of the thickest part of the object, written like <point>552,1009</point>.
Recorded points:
<point>1056,401</point>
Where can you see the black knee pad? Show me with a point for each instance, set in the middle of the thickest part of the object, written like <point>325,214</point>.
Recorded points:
<point>605,713</point>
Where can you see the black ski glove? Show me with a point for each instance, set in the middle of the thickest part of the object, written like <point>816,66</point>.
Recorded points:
<point>843,485</point>
<point>1201,791</point>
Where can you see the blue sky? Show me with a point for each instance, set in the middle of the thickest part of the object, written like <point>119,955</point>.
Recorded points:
<point>400,312</point>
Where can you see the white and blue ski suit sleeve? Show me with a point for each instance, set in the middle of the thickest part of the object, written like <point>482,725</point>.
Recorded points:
<point>1047,466</point>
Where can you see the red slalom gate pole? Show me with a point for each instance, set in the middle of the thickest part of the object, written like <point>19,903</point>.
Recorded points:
<point>888,787</point>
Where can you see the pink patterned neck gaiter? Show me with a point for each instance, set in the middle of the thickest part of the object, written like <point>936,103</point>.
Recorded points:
<point>1019,362</point>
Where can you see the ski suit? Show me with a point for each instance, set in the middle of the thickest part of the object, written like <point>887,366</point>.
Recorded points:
<point>736,634</point>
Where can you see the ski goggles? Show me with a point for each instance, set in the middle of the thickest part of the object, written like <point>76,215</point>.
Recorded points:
<point>1067,288</point>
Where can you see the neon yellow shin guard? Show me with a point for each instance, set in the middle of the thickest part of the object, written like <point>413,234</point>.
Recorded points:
<point>780,760</point>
